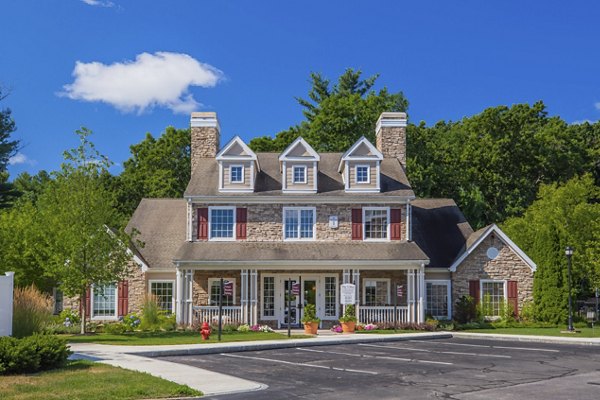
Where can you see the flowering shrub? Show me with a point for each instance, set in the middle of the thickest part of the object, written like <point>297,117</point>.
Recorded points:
<point>370,327</point>
<point>261,328</point>
<point>131,321</point>
<point>69,317</point>
<point>336,329</point>
<point>243,328</point>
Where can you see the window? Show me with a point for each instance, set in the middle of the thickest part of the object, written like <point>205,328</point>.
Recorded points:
<point>376,223</point>
<point>298,223</point>
<point>222,221</point>
<point>363,174</point>
<point>330,296</point>
<point>215,290</point>
<point>236,174</point>
<point>163,291</point>
<point>376,292</point>
<point>299,174</point>
<point>268,296</point>
<point>492,297</point>
<point>104,301</point>
<point>437,293</point>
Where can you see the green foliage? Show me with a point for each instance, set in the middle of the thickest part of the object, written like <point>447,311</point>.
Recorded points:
<point>465,310</point>
<point>32,311</point>
<point>527,313</point>
<point>30,187</point>
<point>349,314</point>
<point>115,328</point>
<point>7,126</point>
<point>310,314</point>
<point>68,317</point>
<point>32,354</point>
<point>338,115</point>
<point>154,319</point>
<point>564,215</point>
<point>132,321</point>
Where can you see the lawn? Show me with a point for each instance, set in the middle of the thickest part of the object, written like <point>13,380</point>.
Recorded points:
<point>585,332</point>
<point>90,381</point>
<point>166,338</point>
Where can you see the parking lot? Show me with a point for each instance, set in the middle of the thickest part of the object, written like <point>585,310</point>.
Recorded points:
<point>446,368</point>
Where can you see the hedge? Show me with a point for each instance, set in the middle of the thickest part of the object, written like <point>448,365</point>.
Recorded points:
<point>32,354</point>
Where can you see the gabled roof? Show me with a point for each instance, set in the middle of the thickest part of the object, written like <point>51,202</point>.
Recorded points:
<point>236,149</point>
<point>362,143</point>
<point>479,236</point>
<point>292,151</point>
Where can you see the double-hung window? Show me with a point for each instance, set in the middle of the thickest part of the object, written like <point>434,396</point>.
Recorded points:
<point>222,223</point>
<point>363,174</point>
<point>376,223</point>
<point>236,174</point>
<point>438,294</point>
<point>376,292</point>
<point>299,174</point>
<point>104,301</point>
<point>493,296</point>
<point>163,292</point>
<point>299,223</point>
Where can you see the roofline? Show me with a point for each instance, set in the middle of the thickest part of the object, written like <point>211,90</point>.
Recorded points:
<point>305,198</point>
<point>236,139</point>
<point>494,228</point>
<point>345,156</point>
<point>365,264</point>
<point>315,156</point>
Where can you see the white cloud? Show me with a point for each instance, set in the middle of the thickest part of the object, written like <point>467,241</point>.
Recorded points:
<point>160,79</point>
<point>99,3</point>
<point>20,158</point>
<point>582,121</point>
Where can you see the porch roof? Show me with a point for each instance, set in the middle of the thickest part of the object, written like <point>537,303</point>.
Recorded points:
<point>206,252</point>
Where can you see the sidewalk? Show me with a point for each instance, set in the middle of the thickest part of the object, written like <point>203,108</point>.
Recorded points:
<point>531,338</point>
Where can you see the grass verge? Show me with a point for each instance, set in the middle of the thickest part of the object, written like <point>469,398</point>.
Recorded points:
<point>585,332</point>
<point>87,380</point>
<point>168,338</point>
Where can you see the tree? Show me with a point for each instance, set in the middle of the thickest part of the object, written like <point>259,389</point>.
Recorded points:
<point>29,187</point>
<point>74,214</point>
<point>563,215</point>
<point>157,168</point>
<point>336,116</point>
<point>7,126</point>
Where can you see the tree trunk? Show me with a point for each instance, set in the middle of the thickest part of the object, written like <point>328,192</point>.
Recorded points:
<point>83,301</point>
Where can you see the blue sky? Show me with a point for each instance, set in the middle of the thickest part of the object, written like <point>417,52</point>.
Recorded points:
<point>124,68</point>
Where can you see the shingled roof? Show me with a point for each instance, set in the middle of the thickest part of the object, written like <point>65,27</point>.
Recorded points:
<point>205,180</point>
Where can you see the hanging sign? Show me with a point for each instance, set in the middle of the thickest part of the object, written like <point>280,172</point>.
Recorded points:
<point>228,288</point>
<point>295,289</point>
<point>400,290</point>
<point>348,293</point>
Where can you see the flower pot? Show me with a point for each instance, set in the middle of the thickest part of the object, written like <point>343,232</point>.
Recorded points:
<point>310,328</point>
<point>348,327</point>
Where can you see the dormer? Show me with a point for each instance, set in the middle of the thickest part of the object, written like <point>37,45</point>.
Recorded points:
<point>238,167</point>
<point>299,168</point>
<point>360,167</point>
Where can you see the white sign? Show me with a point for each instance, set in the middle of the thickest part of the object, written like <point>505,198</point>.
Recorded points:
<point>333,221</point>
<point>348,294</point>
<point>6,303</point>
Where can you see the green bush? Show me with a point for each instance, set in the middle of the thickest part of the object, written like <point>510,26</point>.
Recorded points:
<point>32,354</point>
<point>349,314</point>
<point>150,316</point>
<point>132,321</point>
<point>69,317</point>
<point>56,328</point>
<point>465,310</point>
<point>32,311</point>
<point>115,328</point>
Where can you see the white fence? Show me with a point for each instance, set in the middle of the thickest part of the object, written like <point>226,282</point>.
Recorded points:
<point>382,314</point>
<point>210,314</point>
<point>6,303</point>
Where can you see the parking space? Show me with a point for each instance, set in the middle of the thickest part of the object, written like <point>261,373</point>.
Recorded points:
<point>450,368</point>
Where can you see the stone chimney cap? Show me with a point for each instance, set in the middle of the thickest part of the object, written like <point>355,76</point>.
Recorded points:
<point>204,119</point>
<point>391,119</point>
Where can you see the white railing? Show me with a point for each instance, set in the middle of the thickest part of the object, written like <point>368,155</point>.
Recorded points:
<point>382,314</point>
<point>210,314</point>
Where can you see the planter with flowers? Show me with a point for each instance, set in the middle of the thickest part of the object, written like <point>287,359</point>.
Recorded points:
<point>310,319</point>
<point>348,320</point>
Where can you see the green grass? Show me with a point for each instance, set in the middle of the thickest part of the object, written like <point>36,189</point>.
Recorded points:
<point>167,338</point>
<point>90,381</point>
<point>585,332</point>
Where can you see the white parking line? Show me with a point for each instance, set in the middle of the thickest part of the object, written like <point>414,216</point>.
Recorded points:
<point>358,371</point>
<point>437,352</point>
<point>377,357</point>
<point>489,346</point>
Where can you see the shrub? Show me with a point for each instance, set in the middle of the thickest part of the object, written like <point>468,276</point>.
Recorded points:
<point>349,314</point>
<point>56,328</point>
<point>53,351</point>
<point>131,321</point>
<point>32,311</point>
<point>243,328</point>
<point>115,328</point>
<point>465,310</point>
<point>167,322</point>
<point>150,316</point>
<point>32,354</point>
<point>69,317</point>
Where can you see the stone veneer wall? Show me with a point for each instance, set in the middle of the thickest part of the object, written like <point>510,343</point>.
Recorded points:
<point>205,142</point>
<point>265,221</point>
<point>506,266</point>
<point>391,142</point>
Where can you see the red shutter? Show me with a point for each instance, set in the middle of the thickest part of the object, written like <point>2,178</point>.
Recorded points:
<point>203,224</point>
<point>123,298</point>
<point>241,214</point>
<point>395,226</point>
<point>474,290</point>
<point>513,297</point>
<point>357,227</point>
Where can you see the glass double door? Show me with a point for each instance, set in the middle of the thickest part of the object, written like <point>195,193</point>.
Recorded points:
<point>298,292</point>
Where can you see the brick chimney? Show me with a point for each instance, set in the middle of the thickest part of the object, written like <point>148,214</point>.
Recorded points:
<point>205,136</point>
<point>390,134</point>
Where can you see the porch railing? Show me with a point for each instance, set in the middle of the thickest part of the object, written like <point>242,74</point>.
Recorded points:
<point>210,314</point>
<point>382,314</point>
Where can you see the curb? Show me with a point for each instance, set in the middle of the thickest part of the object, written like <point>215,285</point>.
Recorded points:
<point>531,339</point>
<point>288,344</point>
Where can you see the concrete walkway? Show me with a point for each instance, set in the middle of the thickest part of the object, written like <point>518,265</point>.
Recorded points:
<point>531,338</point>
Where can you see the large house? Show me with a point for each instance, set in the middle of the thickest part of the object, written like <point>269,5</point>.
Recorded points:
<point>268,222</point>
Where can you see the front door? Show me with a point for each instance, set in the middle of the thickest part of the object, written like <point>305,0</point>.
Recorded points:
<point>308,294</point>
<point>290,304</point>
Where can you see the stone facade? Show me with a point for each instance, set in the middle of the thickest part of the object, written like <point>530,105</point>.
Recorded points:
<point>205,140</point>
<point>506,266</point>
<point>138,287</point>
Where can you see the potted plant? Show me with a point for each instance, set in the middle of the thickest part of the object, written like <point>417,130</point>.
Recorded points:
<point>310,319</point>
<point>348,320</point>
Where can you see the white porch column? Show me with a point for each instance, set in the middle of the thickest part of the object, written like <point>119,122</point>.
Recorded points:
<point>244,296</point>
<point>356,281</point>
<point>410,294</point>
<point>421,298</point>
<point>253,278</point>
<point>179,296</point>
<point>187,299</point>
<point>346,276</point>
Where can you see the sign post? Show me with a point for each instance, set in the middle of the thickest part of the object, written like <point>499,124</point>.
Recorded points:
<point>347,294</point>
<point>399,293</point>
<point>289,307</point>
<point>221,308</point>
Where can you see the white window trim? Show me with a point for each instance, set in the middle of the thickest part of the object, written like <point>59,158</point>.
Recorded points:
<point>210,283</point>
<point>104,317</point>
<point>304,169</point>
<point>448,284</point>
<point>364,289</point>
<point>172,282</point>
<point>368,167</point>
<point>275,316</point>
<point>504,293</point>
<point>364,224</point>
<point>221,239</point>
<point>299,239</point>
<point>231,181</point>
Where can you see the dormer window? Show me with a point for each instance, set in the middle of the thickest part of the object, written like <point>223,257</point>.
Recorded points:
<point>360,167</point>
<point>236,174</point>
<point>363,174</point>
<point>299,174</point>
